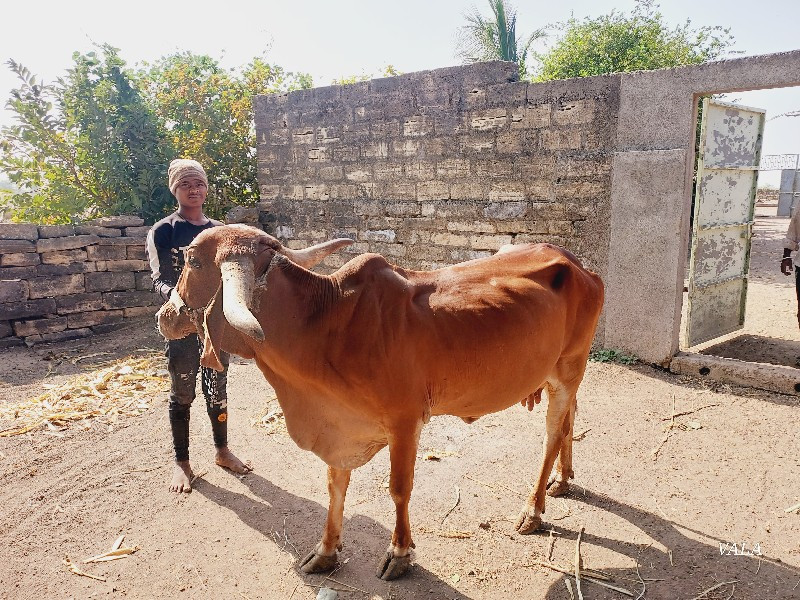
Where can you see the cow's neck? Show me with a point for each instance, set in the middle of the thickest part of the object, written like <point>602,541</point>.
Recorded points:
<point>318,291</point>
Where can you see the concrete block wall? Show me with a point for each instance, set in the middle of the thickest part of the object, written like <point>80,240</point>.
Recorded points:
<point>438,167</point>
<point>60,282</point>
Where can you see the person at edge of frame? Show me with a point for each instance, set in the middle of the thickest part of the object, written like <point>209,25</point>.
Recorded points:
<point>792,243</point>
<point>166,242</point>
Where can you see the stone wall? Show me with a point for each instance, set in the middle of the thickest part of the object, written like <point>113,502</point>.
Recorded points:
<point>60,282</point>
<point>442,166</point>
<point>435,167</point>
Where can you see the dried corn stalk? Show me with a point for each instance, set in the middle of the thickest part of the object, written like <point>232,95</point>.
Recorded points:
<point>271,419</point>
<point>122,389</point>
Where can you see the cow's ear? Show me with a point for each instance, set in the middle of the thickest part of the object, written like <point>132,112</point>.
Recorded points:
<point>213,328</point>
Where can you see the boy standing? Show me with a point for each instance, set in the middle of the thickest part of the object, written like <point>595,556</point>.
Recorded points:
<point>165,244</point>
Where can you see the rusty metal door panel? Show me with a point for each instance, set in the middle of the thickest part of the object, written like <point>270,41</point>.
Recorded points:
<point>720,255</point>
<point>733,135</point>
<point>718,309</point>
<point>730,150</point>
<point>721,193</point>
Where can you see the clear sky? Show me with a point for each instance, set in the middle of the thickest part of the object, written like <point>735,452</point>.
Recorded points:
<point>336,38</point>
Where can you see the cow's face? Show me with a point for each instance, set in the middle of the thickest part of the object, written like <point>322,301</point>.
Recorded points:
<point>196,302</point>
<point>214,295</point>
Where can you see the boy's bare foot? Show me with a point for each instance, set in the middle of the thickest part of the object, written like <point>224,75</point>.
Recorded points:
<point>225,458</point>
<point>181,477</point>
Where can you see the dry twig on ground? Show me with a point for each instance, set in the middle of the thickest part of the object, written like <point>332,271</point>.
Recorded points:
<point>495,486</point>
<point>452,508</point>
<point>713,587</point>
<point>585,577</point>
<point>579,437</point>
<point>116,552</point>
<point>644,585</point>
<point>73,569</point>
<point>551,544</point>
<point>578,564</point>
<point>197,476</point>
<point>794,508</point>
<point>686,412</point>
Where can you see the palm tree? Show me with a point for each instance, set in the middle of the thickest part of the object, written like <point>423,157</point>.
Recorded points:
<point>483,39</point>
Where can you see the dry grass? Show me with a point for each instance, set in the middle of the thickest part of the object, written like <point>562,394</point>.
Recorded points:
<point>270,419</point>
<point>123,388</point>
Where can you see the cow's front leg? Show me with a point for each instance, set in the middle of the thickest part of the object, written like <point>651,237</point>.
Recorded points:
<point>324,557</point>
<point>402,456</point>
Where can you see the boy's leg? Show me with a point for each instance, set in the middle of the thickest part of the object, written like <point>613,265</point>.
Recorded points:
<point>797,289</point>
<point>215,390</point>
<point>183,361</point>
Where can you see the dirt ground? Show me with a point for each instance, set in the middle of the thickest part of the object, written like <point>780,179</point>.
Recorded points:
<point>668,503</point>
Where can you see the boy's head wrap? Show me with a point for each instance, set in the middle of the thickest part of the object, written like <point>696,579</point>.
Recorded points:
<point>183,168</point>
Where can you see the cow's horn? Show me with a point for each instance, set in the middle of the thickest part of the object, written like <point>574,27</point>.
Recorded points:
<point>313,255</point>
<point>237,292</point>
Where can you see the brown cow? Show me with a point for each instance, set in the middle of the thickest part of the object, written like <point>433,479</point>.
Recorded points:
<point>363,358</point>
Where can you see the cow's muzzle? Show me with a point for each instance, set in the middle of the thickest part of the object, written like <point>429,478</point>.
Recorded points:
<point>174,318</point>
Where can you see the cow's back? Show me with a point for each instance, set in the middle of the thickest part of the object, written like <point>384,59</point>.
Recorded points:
<point>474,337</point>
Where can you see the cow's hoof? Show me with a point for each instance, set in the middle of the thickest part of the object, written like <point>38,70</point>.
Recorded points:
<point>558,488</point>
<point>391,567</point>
<point>527,523</point>
<point>318,563</point>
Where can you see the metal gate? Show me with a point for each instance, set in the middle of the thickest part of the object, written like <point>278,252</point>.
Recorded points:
<point>725,191</point>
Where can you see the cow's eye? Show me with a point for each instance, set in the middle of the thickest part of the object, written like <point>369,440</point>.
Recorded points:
<point>193,262</point>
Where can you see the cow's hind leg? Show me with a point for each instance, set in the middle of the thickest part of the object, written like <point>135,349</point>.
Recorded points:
<point>560,409</point>
<point>558,485</point>
<point>324,556</point>
<point>403,444</point>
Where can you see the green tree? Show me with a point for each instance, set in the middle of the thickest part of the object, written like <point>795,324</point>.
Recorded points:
<point>495,38</point>
<point>208,116</point>
<point>617,42</point>
<point>98,141</point>
<point>85,146</point>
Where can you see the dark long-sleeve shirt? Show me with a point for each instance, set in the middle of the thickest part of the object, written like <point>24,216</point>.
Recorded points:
<point>166,242</point>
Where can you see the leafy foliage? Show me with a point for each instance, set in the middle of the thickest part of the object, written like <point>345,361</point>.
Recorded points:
<point>208,116</point>
<point>387,71</point>
<point>97,142</point>
<point>605,355</point>
<point>617,42</point>
<point>84,146</point>
<point>495,38</point>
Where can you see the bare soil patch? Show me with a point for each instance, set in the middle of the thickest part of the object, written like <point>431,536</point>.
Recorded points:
<point>723,474</point>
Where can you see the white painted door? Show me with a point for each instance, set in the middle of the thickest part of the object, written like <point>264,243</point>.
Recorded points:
<point>727,178</point>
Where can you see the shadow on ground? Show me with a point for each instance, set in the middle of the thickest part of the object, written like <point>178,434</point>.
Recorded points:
<point>692,563</point>
<point>21,366</point>
<point>758,348</point>
<point>295,525</point>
